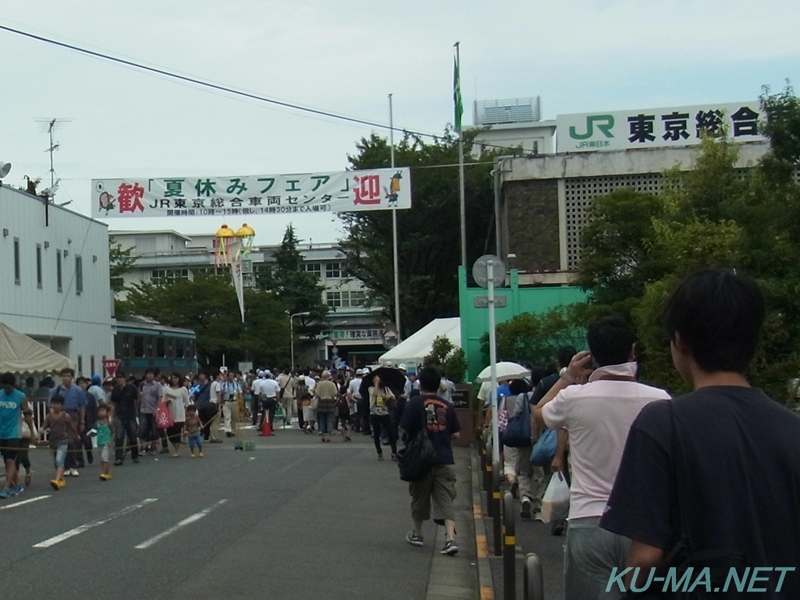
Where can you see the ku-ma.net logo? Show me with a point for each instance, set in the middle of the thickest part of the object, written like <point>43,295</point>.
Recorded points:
<point>368,189</point>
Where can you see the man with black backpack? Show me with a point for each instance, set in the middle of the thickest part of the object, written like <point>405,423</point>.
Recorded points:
<point>438,486</point>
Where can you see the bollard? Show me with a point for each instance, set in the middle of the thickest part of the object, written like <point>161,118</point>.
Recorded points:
<point>487,474</point>
<point>496,516</point>
<point>482,453</point>
<point>532,583</point>
<point>509,549</point>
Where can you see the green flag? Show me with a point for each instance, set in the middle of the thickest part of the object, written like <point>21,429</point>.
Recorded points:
<point>459,106</point>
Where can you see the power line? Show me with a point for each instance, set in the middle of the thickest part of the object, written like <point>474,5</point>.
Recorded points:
<point>222,88</point>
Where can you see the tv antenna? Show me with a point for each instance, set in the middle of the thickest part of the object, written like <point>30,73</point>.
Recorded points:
<point>50,126</point>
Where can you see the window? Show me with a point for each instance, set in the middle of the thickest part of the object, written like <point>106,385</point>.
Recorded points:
<point>138,346</point>
<point>166,276</point>
<point>39,267</point>
<point>16,261</point>
<point>58,270</point>
<point>161,347</point>
<point>313,268</point>
<point>126,346</point>
<point>333,299</point>
<point>180,351</point>
<point>333,270</point>
<point>78,275</point>
<point>80,365</point>
<point>91,365</point>
<point>354,299</point>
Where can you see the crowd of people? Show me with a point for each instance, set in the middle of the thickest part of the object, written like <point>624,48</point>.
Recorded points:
<point>122,418</point>
<point>707,481</point>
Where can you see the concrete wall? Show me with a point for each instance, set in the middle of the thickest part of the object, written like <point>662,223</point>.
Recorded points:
<point>76,324</point>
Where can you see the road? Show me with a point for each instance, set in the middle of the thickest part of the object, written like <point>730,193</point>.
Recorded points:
<point>294,518</point>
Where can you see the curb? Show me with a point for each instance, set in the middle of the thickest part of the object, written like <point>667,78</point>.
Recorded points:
<point>485,582</point>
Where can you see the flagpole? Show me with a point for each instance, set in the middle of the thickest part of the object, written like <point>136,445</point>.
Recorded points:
<point>461,193</point>
<point>394,229</point>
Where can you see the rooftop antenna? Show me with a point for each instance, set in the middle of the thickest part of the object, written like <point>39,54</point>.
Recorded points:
<point>50,126</point>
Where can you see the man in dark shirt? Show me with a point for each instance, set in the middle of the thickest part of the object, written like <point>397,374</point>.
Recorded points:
<point>719,468</point>
<point>124,397</point>
<point>439,485</point>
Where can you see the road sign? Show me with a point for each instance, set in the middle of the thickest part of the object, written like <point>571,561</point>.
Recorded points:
<point>110,365</point>
<point>480,271</point>
<point>483,301</point>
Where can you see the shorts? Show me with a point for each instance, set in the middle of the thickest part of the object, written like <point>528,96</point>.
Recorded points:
<point>196,441</point>
<point>60,455</point>
<point>438,486</point>
<point>105,452</point>
<point>8,448</point>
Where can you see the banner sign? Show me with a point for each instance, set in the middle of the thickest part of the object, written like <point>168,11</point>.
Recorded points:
<point>657,128</point>
<point>347,191</point>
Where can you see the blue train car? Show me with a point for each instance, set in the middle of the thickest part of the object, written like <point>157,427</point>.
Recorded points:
<point>142,343</point>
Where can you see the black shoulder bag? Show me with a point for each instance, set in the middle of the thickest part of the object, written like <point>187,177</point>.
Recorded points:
<point>419,456</point>
<point>685,557</point>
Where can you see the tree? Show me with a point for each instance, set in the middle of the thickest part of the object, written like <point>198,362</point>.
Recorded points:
<point>208,305</point>
<point>534,339</point>
<point>120,262</point>
<point>712,216</point>
<point>428,235</point>
<point>299,290</point>
<point>449,360</point>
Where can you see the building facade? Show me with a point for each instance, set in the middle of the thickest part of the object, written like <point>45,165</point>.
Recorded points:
<point>56,286</point>
<point>355,333</point>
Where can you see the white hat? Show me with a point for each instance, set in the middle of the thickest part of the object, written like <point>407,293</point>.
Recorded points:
<point>267,373</point>
<point>359,371</point>
<point>260,373</point>
<point>402,367</point>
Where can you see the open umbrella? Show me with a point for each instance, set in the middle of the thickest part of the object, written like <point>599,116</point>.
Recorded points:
<point>391,378</point>
<point>505,370</point>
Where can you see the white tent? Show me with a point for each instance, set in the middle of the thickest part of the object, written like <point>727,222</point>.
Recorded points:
<point>413,350</point>
<point>20,354</point>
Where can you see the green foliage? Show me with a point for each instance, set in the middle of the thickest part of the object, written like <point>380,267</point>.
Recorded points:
<point>429,239</point>
<point>300,291</point>
<point>535,338</point>
<point>120,262</point>
<point>208,305</point>
<point>449,360</point>
<point>712,216</point>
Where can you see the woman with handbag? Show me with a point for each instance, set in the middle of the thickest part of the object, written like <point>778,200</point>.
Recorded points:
<point>176,397</point>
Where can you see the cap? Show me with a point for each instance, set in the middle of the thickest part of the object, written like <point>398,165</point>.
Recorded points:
<point>260,373</point>
<point>402,367</point>
<point>96,380</point>
<point>359,371</point>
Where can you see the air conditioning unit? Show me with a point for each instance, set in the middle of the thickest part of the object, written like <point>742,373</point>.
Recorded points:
<point>499,112</point>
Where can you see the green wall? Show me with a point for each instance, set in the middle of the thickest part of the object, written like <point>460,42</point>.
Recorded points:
<point>475,321</point>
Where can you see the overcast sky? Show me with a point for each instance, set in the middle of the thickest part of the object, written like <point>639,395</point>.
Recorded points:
<point>579,56</point>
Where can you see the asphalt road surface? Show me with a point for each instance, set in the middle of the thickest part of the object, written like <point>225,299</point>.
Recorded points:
<point>295,518</point>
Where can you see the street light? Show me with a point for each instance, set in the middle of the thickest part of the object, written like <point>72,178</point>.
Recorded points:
<point>291,333</point>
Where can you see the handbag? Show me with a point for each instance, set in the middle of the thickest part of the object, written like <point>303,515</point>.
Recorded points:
<point>419,456</point>
<point>544,450</point>
<point>315,403</point>
<point>164,418</point>
<point>684,556</point>
<point>518,429</point>
<point>502,418</point>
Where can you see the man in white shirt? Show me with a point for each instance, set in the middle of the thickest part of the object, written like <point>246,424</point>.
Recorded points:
<point>354,398</point>
<point>268,391</point>
<point>255,402</point>
<point>598,416</point>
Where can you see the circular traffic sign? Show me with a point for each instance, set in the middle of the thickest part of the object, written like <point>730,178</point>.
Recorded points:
<point>480,271</point>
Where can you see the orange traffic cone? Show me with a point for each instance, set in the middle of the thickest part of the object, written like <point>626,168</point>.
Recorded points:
<point>266,428</point>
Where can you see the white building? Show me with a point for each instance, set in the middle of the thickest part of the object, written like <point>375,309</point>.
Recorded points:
<point>55,279</point>
<point>514,123</point>
<point>356,332</point>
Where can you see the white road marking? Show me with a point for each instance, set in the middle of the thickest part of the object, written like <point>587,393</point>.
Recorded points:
<point>252,458</point>
<point>291,465</point>
<point>96,523</point>
<point>28,501</point>
<point>187,521</point>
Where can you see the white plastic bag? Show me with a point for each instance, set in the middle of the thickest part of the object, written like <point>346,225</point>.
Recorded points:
<point>555,503</point>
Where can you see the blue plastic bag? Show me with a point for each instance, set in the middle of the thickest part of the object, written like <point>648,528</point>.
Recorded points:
<point>544,450</point>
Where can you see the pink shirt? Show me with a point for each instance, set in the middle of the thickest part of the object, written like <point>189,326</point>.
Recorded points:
<point>597,416</point>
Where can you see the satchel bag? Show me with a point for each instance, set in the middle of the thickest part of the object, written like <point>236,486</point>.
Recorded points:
<point>164,418</point>
<point>518,428</point>
<point>544,450</point>
<point>419,456</point>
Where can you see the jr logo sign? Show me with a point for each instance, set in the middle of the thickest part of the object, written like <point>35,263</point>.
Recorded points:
<point>605,123</point>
